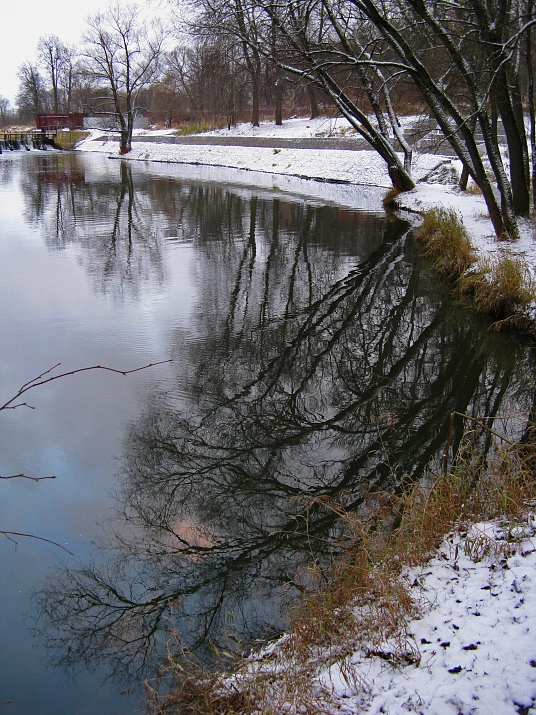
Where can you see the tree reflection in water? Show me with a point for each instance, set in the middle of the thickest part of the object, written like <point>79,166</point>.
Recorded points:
<point>312,376</point>
<point>113,223</point>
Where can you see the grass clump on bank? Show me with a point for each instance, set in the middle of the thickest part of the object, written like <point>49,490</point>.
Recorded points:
<point>501,287</point>
<point>364,600</point>
<point>390,198</point>
<point>446,241</point>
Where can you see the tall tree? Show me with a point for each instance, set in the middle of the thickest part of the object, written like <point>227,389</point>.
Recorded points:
<point>31,97</point>
<point>122,52</point>
<point>4,110</point>
<point>207,78</point>
<point>51,51</point>
<point>463,58</point>
<point>234,21</point>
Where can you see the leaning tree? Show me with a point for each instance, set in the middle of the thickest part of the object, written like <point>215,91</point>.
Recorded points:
<point>467,61</point>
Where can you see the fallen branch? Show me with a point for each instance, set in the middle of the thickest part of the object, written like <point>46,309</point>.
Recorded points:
<point>36,382</point>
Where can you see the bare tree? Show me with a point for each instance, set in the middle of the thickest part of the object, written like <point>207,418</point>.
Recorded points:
<point>50,50</point>
<point>208,77</point>
<point>4,110</point>
<point>70,71</point>
<point>123,54</point>
<point>31,97</point>
<point>235,22</point>
<point>464,59</point>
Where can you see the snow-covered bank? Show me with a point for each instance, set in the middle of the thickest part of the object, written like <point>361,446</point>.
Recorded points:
<point>470,651</point>
<point>475,639</point>
<point>342,166</point>
<point>349,170</point>
<point>476,653</point>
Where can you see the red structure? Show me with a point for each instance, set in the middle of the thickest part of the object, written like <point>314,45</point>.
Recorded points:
<point>74,120</point>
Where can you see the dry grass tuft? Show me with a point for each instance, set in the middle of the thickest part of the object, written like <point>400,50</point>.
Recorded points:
<point>446,241</point>
<point>502,287</point>
<point>368,601</point>
<point>390,198</point>
<point>473,189</point>
<point>198,127</point>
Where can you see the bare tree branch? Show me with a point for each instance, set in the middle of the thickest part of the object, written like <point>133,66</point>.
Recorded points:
<point>37,381</point>
<point>25,476</point>
<point>9,534</point>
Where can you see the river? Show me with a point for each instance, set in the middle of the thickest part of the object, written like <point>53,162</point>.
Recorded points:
<point>313,356</point>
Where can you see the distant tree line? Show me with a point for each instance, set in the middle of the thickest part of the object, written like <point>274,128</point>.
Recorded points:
<point>468,66</point>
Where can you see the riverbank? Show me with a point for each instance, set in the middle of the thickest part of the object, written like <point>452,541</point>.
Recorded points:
<point>435,617</point>
<point>341,172</point>
<point>454,634</point>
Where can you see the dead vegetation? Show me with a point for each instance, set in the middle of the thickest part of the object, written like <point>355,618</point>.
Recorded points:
<point>364,599</point>
<point>500,287</point>
<point>446,241</point>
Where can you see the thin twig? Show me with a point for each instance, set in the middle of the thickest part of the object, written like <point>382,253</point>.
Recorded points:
<point>37,381</point>
<point>9,534</point>
<point>25,476</point>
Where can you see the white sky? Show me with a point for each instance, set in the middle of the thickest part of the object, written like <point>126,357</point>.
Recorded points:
<point>25,21</point>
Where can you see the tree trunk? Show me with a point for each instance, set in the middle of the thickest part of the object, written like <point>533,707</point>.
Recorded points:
<point>278,103</point>
<point>312,101</point>
<point>517,151</point>
<point>464,178</point>
<point>126,132</point>
<point>255,97</point>
<point>400,178</point>
<point>532,110</point>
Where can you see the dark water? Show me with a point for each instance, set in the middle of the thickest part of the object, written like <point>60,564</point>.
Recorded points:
<point>313,354</point>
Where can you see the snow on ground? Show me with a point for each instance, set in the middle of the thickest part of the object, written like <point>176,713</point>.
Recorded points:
<point>292,128</point>
<point>345,167</point>
<point>364,168</point>
<point>476,638</point>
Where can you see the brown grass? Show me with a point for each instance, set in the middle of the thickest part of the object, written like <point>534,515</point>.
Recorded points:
<point>197,127</point>
<point>501,287</point>
<point>446,241</point>
<point>368,601</point>
<point>390,198</point>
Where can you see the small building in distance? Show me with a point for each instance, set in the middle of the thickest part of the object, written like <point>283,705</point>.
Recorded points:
<point>108,122</point>
<point>75,120</point>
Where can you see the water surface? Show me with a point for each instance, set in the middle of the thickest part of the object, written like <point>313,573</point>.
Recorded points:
<point>313,355</point>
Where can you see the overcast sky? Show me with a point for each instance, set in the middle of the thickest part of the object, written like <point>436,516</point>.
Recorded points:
<point>25,21</point>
